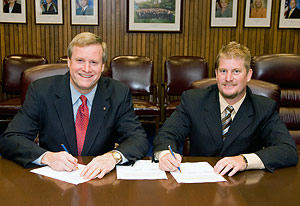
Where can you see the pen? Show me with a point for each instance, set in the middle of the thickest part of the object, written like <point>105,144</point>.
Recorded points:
<point>173,156</point>
<point>63,146</point>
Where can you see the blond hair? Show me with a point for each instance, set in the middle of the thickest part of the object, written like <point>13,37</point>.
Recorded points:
<point>86,39</point>
<point>236,51</point>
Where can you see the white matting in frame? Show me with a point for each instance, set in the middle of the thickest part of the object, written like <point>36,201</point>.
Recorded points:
<point>258,14</point>
<point>142,19</point>
<point>17,15</point>
<point>223,19</point>
<point>90,15</point>
<point>48,14</point>
<point>285,19</point>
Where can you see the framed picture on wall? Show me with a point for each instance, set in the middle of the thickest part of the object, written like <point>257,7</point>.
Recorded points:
<point>154,16</point>
<point>258,13</point>
<point>13,11</point>
<point>48,12</point>
<point>223,13</point>
<point>84,12</point>
<point>289,16</point>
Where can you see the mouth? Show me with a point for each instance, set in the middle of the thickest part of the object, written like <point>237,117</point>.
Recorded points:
<point>85,75</point>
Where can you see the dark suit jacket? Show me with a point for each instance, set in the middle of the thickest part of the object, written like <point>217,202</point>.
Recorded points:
<point>294,15</point>
<point>88,11</point>
<point>256,126</point>
<point>52,9</point>
<point>16,9</point>
<point>48,111</point>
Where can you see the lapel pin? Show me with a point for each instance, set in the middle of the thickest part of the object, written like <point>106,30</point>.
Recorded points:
<point>104,108</point>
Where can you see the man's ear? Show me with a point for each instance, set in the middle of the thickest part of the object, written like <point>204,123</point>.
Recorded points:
<point>249,75</point>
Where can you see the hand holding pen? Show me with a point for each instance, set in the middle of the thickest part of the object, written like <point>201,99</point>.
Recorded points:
<point>171,151</point>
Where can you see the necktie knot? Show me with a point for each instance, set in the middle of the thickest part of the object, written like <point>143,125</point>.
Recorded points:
<point>83,99</point>
<point>229,109</point>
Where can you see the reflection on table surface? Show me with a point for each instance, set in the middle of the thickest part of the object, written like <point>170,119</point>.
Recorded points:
<point>256,187</point>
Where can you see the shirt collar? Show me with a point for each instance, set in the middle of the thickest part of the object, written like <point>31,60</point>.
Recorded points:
<point>224,104</point>
<point>76,94</point>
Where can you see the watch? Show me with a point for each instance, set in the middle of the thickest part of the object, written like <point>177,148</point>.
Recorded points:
<point>117,156</point>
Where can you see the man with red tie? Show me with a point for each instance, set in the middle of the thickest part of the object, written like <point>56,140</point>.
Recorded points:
<point>87,113</point>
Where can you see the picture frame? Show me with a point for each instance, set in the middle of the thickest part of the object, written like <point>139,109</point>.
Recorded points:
<point>289,19</point>
<point>258,13</point>
<point>84,12</point>
<point>226,17</point>
<point>51,13</point>
<point>14,14</point>
<point>144,16</point>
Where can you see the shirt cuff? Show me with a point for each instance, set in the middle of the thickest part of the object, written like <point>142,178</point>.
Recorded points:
<point>158,155</point>
<point>254,162</point>
<point>38,160</point>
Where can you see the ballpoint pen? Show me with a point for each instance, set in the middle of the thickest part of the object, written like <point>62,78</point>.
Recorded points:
<point>170,149</point>
<point>63,146</point>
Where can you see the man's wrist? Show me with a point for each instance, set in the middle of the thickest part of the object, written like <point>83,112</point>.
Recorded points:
<point>245,160</point>
<point>116,156</point>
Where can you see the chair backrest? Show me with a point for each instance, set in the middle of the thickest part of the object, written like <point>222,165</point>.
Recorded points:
<point>181,71</point>
<point>134,71</point>
<point>259,87</point>
<point>38,72</point>
<point>13,66</point>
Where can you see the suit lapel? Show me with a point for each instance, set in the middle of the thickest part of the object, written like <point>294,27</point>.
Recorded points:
<point>99,109</point>
<point>213,118</point>
<point>64,108</point>
<point>241,121</point>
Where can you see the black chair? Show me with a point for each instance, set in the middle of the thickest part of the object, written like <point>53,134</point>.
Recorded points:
<point>137,73</point>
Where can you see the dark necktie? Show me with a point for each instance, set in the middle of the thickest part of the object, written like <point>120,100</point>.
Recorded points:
<point>83,11</point>
<point>226,120</point>
<point>81,124</point>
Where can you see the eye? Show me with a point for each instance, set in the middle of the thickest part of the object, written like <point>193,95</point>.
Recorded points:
<point>79,61</point>
<point>222,71</point>
<point>237,71</point>
<point>94,63</point>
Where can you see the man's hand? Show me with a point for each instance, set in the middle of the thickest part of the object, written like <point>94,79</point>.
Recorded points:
<point>168,163</point>
<point>226,164</point>
<point>99,166</point>
<point>60,161</point>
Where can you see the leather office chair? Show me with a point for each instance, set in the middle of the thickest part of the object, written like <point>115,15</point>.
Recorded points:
<point>284,70</point>
<point>64,60</point>
<point>38,72</point>
<point>259,87</point>
<point>180,72</point>
<point>137,73</point>
<point>13,66</point>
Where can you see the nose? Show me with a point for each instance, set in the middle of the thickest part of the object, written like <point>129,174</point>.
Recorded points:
<point>228,76</point>
<point>86,67</point>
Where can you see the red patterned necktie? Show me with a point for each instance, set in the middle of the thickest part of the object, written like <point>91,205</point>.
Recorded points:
<point>82,121</point>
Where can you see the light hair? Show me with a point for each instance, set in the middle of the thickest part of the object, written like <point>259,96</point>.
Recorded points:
<point>86,39</point>
<point>262,4</point>
<point>234,50</point>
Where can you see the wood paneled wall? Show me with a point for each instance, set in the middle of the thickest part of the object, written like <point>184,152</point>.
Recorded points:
<point>197,37</point>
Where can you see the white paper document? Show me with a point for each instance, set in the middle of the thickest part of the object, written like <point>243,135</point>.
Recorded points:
<point>197,172</point>
<point>141,170</point>
<point>70,177</point>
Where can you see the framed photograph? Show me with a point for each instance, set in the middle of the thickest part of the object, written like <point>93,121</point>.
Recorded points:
<point>289,16</point>
<point>154,16</point>
<point>258,13</point>
<point>84,12</point>
<point>13,11</point>
<point>48,12</point>
<point>223,13</point>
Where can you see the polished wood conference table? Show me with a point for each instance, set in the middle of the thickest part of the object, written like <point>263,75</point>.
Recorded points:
<point>18,186</point>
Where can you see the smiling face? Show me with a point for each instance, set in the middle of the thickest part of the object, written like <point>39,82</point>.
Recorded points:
<point>84,3</point>
<point>232,78</point>
<point>258,3</point>
<point>293,4</point>
<point>224,3</point>
<point>86,67</point>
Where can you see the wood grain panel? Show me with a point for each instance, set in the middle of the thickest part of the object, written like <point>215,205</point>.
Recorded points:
<point>197,37</point>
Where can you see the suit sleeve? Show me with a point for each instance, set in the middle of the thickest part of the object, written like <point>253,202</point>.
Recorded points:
<point>132,139</point>
<point>176,128</point>
<point>279,147</point>
<point>17,142</point>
